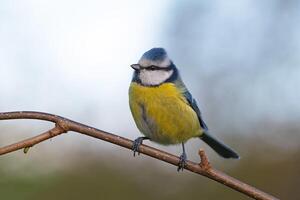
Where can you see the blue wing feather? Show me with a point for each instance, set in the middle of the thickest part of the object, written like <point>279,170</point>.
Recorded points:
<point>192,102</point>
<point>175,78</point>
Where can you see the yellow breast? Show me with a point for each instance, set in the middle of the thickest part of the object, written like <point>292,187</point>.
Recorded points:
<point>163,114</point>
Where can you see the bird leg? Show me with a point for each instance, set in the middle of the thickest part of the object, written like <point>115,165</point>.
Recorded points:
<point>136,144</point>
<point>182,159</point>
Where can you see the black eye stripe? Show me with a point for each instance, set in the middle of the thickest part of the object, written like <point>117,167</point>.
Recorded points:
<point>154,67</point>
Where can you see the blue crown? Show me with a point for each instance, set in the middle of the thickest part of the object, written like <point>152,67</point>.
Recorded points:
<point>155,54</point>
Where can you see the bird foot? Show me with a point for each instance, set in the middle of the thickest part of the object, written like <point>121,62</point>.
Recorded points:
<point>136,144</point>
<point>182,162</point>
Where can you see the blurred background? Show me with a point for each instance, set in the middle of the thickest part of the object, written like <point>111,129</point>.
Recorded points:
<point>240,60</point>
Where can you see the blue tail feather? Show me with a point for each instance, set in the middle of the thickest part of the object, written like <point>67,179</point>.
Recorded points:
<point>219,147</point>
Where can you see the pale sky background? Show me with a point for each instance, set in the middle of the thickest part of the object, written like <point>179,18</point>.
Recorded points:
<point>73,57</point>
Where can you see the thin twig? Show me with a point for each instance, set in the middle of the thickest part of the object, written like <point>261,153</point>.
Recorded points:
<point>63,125</point>
<point>204,164</point>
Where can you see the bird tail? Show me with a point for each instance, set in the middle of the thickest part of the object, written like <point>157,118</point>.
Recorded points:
<point>218,146</point>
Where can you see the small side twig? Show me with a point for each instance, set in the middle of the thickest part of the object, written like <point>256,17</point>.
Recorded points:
<point>204,163</point>
<point>32,141</point>
<point>63,125</point>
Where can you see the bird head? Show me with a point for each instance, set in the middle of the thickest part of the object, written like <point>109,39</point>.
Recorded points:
<point>154,67</point>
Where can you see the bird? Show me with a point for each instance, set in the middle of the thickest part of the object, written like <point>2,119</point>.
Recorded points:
<point>164,110</point>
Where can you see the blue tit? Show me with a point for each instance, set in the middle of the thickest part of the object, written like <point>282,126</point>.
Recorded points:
<point>163,109</point>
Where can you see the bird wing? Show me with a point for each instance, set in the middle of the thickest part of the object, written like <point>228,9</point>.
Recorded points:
<point>192,102</point>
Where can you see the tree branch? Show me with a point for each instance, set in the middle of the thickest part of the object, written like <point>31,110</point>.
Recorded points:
<point>63,125</point>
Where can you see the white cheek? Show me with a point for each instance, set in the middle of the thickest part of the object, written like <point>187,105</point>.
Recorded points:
<point>154,77</point>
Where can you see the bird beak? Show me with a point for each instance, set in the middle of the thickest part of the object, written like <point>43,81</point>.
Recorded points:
<point>135,66</point>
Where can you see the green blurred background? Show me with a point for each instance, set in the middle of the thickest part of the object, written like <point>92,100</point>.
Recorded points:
<point>240,59</point>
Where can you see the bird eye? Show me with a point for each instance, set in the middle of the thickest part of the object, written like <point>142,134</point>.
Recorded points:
<point>152,67</point>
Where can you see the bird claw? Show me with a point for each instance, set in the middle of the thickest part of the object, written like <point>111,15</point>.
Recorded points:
<point>182,162</point>
<point>136,144</point>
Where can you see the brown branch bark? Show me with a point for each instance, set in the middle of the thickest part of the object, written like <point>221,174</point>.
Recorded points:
<point>63,125</point>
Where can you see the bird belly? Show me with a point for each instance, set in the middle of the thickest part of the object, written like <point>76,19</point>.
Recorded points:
<point>163,114</point>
